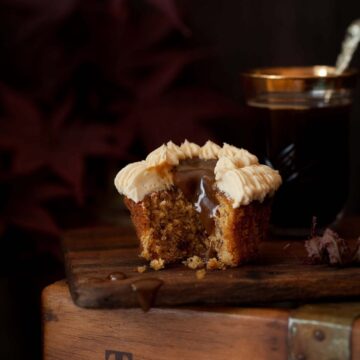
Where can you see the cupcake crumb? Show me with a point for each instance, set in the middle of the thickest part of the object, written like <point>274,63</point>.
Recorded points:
<point>157,264</point>
<point>200,274</point>
<point>194,262</point>
<point>215,264</point>
<point>141,269</point>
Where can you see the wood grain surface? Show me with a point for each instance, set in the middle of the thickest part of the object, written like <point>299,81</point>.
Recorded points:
<point>74,333</point>
<point>202,333</point>
<point>279,275</point>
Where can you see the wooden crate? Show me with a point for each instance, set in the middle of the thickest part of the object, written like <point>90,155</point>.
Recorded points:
<point>72,332</point>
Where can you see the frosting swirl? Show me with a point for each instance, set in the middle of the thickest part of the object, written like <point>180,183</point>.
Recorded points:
<point>238,173</point>
<point>246,184</point>
<point>240,157</point>
<point>136,180</point>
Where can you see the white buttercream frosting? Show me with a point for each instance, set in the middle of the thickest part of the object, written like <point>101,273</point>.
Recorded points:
<point>240,157</point>
<point>238,173</point>
<point>136,181</point>
<point>209,151</point>
<point>163,155</point>
<point>246,184</point>
<point>175,150</point>
<point>190,149</point>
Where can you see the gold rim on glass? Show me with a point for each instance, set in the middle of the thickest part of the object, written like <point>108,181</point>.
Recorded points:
<point>298,72</point>
<point>297,79</point>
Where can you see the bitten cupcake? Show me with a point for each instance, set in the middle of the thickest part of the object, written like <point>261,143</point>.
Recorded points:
<point>202,205</point>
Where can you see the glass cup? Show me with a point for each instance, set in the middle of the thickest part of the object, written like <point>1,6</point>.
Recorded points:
<point>302,117</point>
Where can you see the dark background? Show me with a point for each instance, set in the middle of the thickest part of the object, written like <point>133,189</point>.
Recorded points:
<point>87,86</point>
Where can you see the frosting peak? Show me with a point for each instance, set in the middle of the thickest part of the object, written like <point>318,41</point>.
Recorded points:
<point>209,150</point>
<point>163,155</point>
<point>190,149</point>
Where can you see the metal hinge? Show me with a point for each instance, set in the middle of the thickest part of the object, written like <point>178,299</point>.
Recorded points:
<point>322,331</point>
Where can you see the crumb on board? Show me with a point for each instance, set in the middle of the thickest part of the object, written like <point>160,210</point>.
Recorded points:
<point>200,274</point>
<point>157,264</point>
<point>215,264</point>
<point>194,262</point>
<point>141,269</point>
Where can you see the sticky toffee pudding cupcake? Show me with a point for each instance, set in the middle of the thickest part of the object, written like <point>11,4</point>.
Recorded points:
<point>201,205</point>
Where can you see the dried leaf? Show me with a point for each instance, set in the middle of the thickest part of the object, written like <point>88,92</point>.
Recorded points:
<point>166,68</point>
<point>57,143</point>
<point>35,219</point>
<point>144,35</point>
<point>334,247</point>
<point>331,249</point>
<point>314,250</point>
<point>168,7</point>
<point>178,115</point>
<point>356,254</point>
<point>313,227</point>
<point>24,203</point>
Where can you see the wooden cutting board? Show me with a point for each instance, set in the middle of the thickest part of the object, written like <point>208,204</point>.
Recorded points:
<point>101,266</point>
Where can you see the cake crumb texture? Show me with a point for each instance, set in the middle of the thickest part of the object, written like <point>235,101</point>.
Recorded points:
<point>200,274</point>
<point>238,232</point>
<point>141,269</point>
<point>157,264</point>
<point>194,262</point>
<point>215,264</point>
<point>168,226</point>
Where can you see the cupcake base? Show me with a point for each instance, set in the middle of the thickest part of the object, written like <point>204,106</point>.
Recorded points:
<point>170,229</point>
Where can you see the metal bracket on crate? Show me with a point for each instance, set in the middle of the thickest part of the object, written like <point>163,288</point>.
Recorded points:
<point>322,331</point>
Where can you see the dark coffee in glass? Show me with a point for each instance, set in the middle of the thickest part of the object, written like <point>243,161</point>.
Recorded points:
<point>302,117</point>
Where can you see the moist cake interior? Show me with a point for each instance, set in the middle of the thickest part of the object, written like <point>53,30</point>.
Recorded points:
<point>180,220</point>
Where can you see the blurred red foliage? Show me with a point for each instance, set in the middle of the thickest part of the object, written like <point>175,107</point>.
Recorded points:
<point>86,80</point>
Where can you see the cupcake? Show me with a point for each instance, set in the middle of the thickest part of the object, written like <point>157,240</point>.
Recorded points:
<point>201,205</point>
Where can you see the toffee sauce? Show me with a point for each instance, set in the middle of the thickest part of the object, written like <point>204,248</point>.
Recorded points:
<point>196,179</point>
<point>146,291</point>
